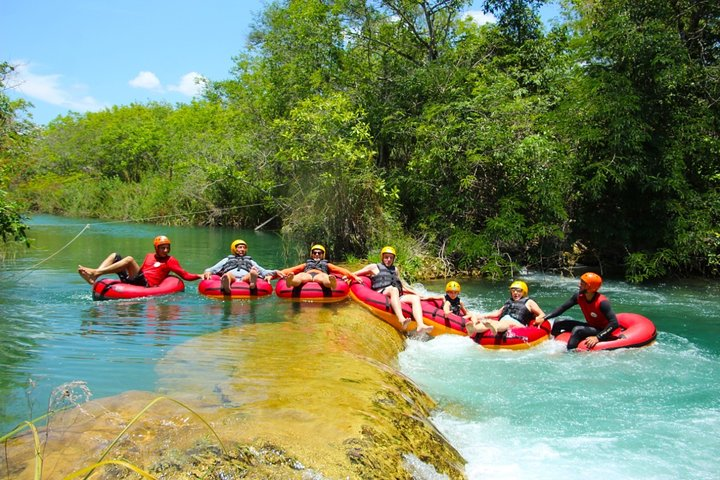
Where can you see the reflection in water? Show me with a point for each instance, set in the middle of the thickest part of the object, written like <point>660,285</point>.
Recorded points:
<point>144,317</point>
<point>233,312</point>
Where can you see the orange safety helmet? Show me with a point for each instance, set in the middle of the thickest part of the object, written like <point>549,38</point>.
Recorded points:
<point>233,246</point>
<point>592,280</point>
<point>161,240</point>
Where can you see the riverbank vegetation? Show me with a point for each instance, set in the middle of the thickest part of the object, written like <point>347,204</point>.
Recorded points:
<point>357,123</point>
<point>16,134</point>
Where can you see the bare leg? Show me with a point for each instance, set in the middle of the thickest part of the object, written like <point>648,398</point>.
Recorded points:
<point>502,325</point>
<point>126,264</point>
<point>297,279</point>
<point>328,281</point>
<point>491,325</point>
<point>394,295</point>
<point>414,300</point>
<point>475,326</point>
<point>225,283</point>
<point>251,278</point>
<point>86,274</point>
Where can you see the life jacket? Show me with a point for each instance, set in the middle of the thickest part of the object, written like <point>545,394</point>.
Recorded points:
<point>321,265</point>
<point>235,261</point>
<point>155,269</point>
<point>593,316</point>
<point>454,304</point>
<point>518,310</point>
<point>385,278</point>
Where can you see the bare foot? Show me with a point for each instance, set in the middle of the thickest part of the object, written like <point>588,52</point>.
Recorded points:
<point>405,322</point>
<point>333,282</point>
<point>253,279</point>
<point>424,329</point>
<point>491,326</point>
<point>86,275</point>
<point>289,280</point>
<point>470,327</point>
<point>225,285</point>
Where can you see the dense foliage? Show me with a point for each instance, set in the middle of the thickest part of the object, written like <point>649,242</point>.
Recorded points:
<point>361,122</point>
<point>15,134</point>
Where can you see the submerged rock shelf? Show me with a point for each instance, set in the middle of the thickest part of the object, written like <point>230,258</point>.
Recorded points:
<point>315,396</point>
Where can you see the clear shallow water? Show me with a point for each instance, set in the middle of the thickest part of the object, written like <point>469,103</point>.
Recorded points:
<point>542,413</point>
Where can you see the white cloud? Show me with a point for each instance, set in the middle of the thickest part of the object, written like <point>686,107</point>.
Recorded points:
<point>480,17</point>
<point>49,88</point>
<point>146,80</point>
<point>191,84</point>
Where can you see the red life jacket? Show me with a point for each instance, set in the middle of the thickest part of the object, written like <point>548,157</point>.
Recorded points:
<point>591,309</point>
<point>156,269</point>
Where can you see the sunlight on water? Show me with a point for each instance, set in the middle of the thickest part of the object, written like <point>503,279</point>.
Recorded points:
<point>546,414</point>
<point>651,413</point>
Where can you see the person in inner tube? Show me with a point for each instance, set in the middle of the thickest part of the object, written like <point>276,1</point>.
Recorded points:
<point>316,269</point>
<point>453,304</point>
<point>239,266</point>
<point>599,315</point>
<point>156,267</point>
<point>518,311</point>
<point>385,278</point>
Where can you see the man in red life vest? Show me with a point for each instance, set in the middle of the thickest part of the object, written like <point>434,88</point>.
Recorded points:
<point>599,315</point>
<point>156,267</point>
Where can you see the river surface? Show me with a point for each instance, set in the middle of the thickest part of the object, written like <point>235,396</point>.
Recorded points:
<point>651,413</point>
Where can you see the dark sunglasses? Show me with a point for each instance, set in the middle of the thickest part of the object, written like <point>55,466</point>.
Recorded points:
<point>317,252</point>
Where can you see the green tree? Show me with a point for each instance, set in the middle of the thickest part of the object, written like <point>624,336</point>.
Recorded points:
<point>642,116</point>
<point>15,133</point>
<point>333,194</point>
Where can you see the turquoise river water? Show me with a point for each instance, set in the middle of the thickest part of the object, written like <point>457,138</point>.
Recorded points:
<point>651,413</point>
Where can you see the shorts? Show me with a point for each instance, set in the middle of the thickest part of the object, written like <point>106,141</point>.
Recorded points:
<point>138,279</point>
<point>513,320</point>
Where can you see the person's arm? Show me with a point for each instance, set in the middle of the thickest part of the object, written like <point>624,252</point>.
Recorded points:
<point>293,270</point>
<point>537,311</point>
<point>408,290</point>
<point>613,322</point>
<point>263,273</point>
<point>334,269</point>
<point>446,308</point>
<point>367,271</point>
<point>175,267</point>
<point>215,269</point>
<point>572,301</point>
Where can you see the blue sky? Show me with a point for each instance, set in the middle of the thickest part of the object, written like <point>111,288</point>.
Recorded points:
<point>87,55</point>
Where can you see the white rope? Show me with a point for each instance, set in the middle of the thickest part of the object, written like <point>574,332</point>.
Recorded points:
<point>51,256</point>
<point>87,225</point>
